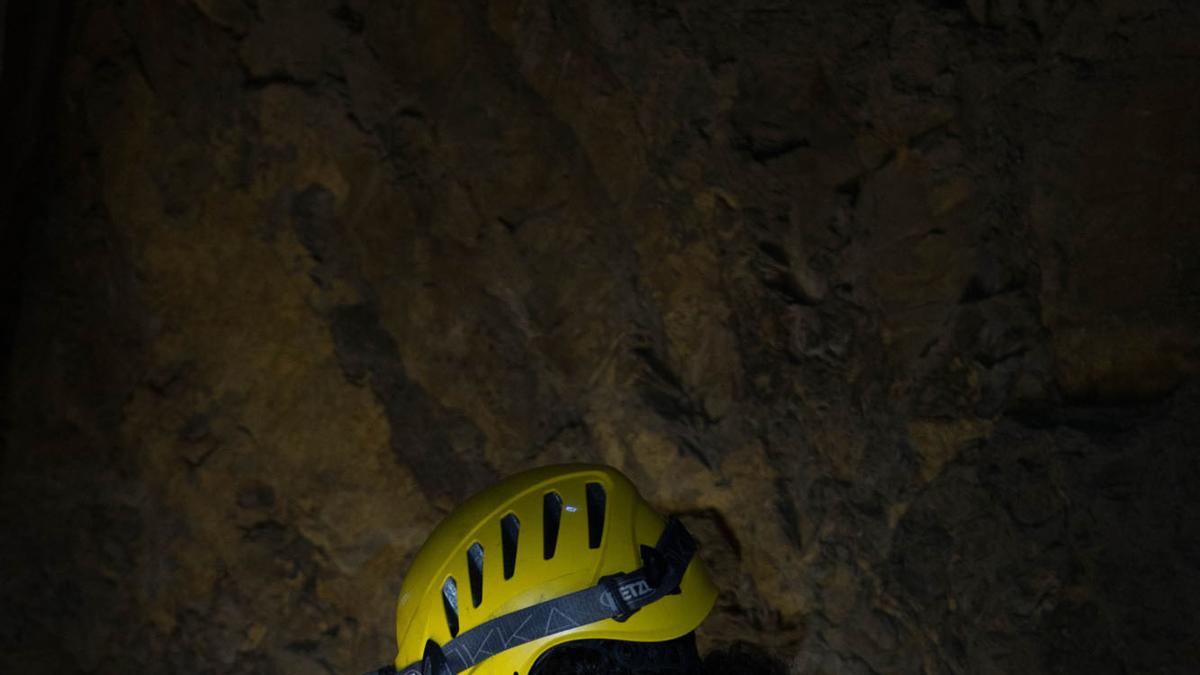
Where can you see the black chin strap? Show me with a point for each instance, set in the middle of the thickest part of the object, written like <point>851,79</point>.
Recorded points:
<point>617,596</point>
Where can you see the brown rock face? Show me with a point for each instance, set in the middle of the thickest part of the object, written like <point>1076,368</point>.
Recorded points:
<point>896,304</point>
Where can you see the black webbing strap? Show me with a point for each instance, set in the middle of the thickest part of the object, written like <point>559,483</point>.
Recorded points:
<point>617,596</point>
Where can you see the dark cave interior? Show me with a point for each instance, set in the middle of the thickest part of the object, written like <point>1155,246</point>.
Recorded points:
<point>896,304</point>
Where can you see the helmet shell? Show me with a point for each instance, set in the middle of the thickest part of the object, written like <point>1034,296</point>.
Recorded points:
<point>576,563</point>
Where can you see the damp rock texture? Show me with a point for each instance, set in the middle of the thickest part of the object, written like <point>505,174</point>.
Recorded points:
<point>897,304</point>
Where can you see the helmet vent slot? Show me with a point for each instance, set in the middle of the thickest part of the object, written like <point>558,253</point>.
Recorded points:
<point>450,603</point>
<point>551,518</point>
<point>510,530</point>
<point>596,499</point>
<point>475,571</point>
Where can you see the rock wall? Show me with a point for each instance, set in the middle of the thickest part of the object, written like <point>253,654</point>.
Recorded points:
<point>894,302</point>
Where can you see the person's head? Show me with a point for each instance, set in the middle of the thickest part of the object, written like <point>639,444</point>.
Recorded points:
<point>555,571</point>
<point>617,657</point>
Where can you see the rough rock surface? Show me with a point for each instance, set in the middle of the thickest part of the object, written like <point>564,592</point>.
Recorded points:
<point>895,302</point>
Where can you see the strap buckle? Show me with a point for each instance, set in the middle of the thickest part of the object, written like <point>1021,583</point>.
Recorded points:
<point>612,586</point>
<point>434,661</point>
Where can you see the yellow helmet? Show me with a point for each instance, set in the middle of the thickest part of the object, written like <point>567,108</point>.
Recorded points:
<point>549,556</point>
